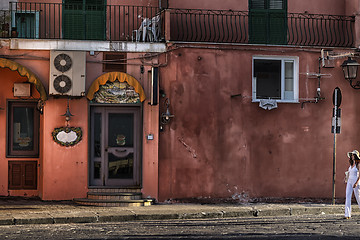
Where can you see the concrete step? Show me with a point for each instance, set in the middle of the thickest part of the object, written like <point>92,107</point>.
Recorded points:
<point>114,203</point>
<point>114,190</point>
<point>114,195</point>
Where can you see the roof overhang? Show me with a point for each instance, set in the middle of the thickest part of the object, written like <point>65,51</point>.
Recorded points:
<point>85,45</point>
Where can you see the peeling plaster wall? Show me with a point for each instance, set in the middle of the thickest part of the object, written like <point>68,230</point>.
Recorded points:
<point>219,146</point>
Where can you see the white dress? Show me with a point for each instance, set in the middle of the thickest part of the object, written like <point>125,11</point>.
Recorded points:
<point>353,176</point>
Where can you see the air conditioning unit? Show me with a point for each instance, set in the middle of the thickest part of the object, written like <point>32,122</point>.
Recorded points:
<point>67,73</point>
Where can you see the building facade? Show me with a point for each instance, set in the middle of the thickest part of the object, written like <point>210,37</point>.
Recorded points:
<point>177,99</point>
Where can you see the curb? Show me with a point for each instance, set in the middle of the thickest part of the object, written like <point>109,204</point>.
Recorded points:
<point>94,215</point>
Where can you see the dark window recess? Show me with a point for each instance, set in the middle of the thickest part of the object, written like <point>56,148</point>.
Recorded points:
<point>268,78</point>
<point>114,62</point>
<point>22,175</point>
<point>23,129</point>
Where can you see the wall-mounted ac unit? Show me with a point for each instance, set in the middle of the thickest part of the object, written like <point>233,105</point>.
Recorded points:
<point>67,73</point>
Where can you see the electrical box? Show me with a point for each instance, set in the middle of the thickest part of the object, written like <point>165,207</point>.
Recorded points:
<point>22,90</point>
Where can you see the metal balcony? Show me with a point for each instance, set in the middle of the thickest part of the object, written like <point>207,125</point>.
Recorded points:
<point>148,24</point>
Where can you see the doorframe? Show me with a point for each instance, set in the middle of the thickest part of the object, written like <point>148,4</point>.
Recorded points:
<point>141,136</point>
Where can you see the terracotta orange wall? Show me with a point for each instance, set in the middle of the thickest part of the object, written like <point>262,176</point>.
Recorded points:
<point>150,122</point>
<point>65,169</point>
<point>219,146</point>
<point>7,79</point>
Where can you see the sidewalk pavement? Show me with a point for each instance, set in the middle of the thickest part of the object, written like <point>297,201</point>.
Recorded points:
<point>42,212</point>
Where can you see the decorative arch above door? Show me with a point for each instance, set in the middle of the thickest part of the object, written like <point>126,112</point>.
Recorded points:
<point>25,72</point>
<point>116,87</point>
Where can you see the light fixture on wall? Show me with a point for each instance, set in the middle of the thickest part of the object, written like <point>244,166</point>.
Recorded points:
<point>67,114</point>
<point>166,116</point>
<point>350,68</point>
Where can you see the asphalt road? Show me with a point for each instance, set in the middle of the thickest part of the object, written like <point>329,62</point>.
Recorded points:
<point>286,227</point>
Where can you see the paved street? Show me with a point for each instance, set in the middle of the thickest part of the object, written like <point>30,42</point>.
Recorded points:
<point>280,227</point>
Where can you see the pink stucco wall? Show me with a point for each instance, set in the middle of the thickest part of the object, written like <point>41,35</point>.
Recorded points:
<point>63,171</point>
<point>219,146</point>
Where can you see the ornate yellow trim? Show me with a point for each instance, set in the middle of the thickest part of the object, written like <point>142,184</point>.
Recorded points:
<point>23,71</point>
<point>112,76</point>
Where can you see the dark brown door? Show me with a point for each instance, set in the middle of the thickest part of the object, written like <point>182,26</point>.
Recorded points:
<point>22,175</point>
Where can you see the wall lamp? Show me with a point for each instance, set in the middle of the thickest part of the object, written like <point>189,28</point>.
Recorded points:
<point>350,68</point>
<point>166,117</point>
<point>67,114</point>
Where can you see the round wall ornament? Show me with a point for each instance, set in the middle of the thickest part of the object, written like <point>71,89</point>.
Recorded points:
<point>67,136</point>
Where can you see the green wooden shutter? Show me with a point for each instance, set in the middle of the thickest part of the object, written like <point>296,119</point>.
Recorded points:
<point>268,21</point>
<point>73,19</point>
<point>277,28</point>
<point>95,20</point>
<point>258,26</point>
<point>84,19</point>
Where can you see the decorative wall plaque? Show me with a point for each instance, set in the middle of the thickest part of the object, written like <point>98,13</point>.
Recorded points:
<point>67,136</point>
<point>116,92</point>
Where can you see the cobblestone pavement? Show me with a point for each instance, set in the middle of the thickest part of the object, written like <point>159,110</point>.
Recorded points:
<point>327,226</point>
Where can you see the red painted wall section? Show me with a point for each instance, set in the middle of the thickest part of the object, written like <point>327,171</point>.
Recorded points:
<point>149,3</point>
<point>219,146</point>
<point>294,6</point>
<point>332,7</point>
<point>205,4</point>
<point>150,121</point>
<point>65,169</point>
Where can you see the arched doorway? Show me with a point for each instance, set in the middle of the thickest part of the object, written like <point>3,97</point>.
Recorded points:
<point>115,130</point>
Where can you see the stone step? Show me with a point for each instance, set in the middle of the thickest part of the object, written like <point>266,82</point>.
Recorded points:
<point>114,203</point>
<point>114,190</point>
<point>114,195</point>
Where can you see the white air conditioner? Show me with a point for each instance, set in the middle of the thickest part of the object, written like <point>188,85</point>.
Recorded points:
<point>67,73</point>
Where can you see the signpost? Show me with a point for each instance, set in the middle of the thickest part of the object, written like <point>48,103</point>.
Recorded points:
<point>335,128</point>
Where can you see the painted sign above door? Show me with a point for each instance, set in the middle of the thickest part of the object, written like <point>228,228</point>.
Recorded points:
<point>116,92</point>
<point>116,87</point>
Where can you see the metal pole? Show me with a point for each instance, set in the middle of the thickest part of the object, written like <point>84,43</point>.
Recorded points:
<point>334,147</point>
<point>334,165</point>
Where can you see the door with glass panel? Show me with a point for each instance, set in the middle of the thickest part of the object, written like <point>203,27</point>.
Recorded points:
<point>115,146</point>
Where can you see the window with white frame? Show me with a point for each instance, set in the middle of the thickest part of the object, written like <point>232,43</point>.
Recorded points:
<point>275,77</point>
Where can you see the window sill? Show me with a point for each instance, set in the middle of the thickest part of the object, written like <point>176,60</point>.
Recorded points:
<point>277,101</point>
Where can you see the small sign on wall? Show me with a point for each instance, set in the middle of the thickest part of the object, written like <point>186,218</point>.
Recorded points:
<point>22,90</point>
<point>67,136</point>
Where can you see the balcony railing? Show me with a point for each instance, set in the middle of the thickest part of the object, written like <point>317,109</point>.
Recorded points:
<point>241,27</point>
<point>82,22</point>
<point>126,23</point>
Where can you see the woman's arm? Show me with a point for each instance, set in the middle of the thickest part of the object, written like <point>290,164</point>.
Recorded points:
<point>357,180</point>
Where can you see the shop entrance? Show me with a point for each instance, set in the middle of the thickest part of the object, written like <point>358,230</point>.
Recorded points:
<point>115,146</point>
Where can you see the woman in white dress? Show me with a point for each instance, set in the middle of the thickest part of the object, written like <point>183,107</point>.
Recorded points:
<point>352,182</point>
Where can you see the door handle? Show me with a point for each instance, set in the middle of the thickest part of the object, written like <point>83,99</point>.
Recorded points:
<point>117,150</point>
